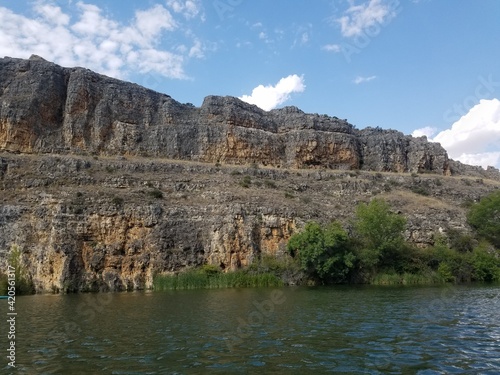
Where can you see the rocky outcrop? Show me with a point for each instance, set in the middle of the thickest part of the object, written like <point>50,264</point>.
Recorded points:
<point>392,151</point>
<point>104,183</point>
<point>50,109</point>
<point>99,223</point>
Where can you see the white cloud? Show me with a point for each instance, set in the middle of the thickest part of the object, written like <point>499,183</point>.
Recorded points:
<point>332,48</point>
<point>360,79</point>
<point>358,18</point>
<point>269,97</point>
<point>427,131</point>
<point>196,50</point>
<point>475,138</point>
<point>484,159</point>
<point>88,37</point>
<point>188,8</point>
<point>152,21</point>
<point>52,14</point>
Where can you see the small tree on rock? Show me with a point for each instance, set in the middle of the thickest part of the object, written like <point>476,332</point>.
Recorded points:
<point>484,217</point>
<point>379,235</point>
<point>323,253</point>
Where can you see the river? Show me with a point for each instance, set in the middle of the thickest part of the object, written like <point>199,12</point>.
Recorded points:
<point>293,330</point>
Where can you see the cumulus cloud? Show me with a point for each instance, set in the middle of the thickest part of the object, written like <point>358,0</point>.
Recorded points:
<point>332,48</point>
<point>269,97</point>
<point>475,138</point>
<point>427,131</point>
<point>360,79</point>
<point>88,37</point>
<point>188,8</point>
<point>358,18</point>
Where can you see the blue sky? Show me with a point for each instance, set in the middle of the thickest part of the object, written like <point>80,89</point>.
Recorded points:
<point>419,66</point>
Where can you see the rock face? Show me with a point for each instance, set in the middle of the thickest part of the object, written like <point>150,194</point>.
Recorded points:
<point>50,109</point>
<point>104,183</point>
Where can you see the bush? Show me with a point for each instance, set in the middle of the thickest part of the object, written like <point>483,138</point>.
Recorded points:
<point>421,190</point>
<point>459,241</point>
<point>484,217</point>
<point>379,235</point>
<point>157,194</point>
<point>486,264</point>
<point>117,201</point>
<point>247,180</point>
<point>270,184</point>
<point>323,253</point>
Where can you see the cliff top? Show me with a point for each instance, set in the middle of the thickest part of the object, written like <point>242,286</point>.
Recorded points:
<point>47,108</point>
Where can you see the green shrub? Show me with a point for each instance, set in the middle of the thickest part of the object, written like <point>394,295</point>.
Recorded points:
<point>379,235</point>
<point>117,201</point>
<point>445,272</point>
<point>246,182</point>
<point>459,241</point>
<point>157,194</point>
<point>306,200</point>
<point>486,264</point>
<point>484,217</point>
<point>421,190</point>
<point>270,184</point>
<point>324,253</point>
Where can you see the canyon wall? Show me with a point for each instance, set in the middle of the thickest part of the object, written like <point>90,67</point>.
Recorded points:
<point>50,109</point>
<point>104,183</point>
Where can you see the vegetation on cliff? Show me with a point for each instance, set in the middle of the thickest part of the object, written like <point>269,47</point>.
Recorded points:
<point>375,251</point>
<point>21,282</point>
<point>211,277</point>
<point>372,251</point>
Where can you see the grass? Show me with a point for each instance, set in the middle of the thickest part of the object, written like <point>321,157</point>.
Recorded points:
<point>270,184</point>
<point>117,201</point>
<point>3,284</point>
<point>246,182</point>
<point>430,278</point>
<point>421,190</point>
<point>203,279</point>
<point>157,194</point>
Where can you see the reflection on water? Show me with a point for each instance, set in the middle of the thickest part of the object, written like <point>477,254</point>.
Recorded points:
<point>372,330</point>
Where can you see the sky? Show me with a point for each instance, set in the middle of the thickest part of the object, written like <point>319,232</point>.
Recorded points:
<point>423,67</point>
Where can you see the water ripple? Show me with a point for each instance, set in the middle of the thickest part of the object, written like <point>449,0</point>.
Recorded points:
<point>421,331</point>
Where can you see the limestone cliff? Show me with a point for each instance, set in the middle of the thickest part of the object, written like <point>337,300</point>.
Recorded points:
<point>104,183</point>
<point>50,109</point>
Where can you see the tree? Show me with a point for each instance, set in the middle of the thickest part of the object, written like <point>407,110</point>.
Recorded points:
<point>323,253</point>
<point>379,233</point>
<point>484,217</point>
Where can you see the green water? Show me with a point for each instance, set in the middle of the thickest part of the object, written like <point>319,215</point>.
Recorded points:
<point>359,330</point>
